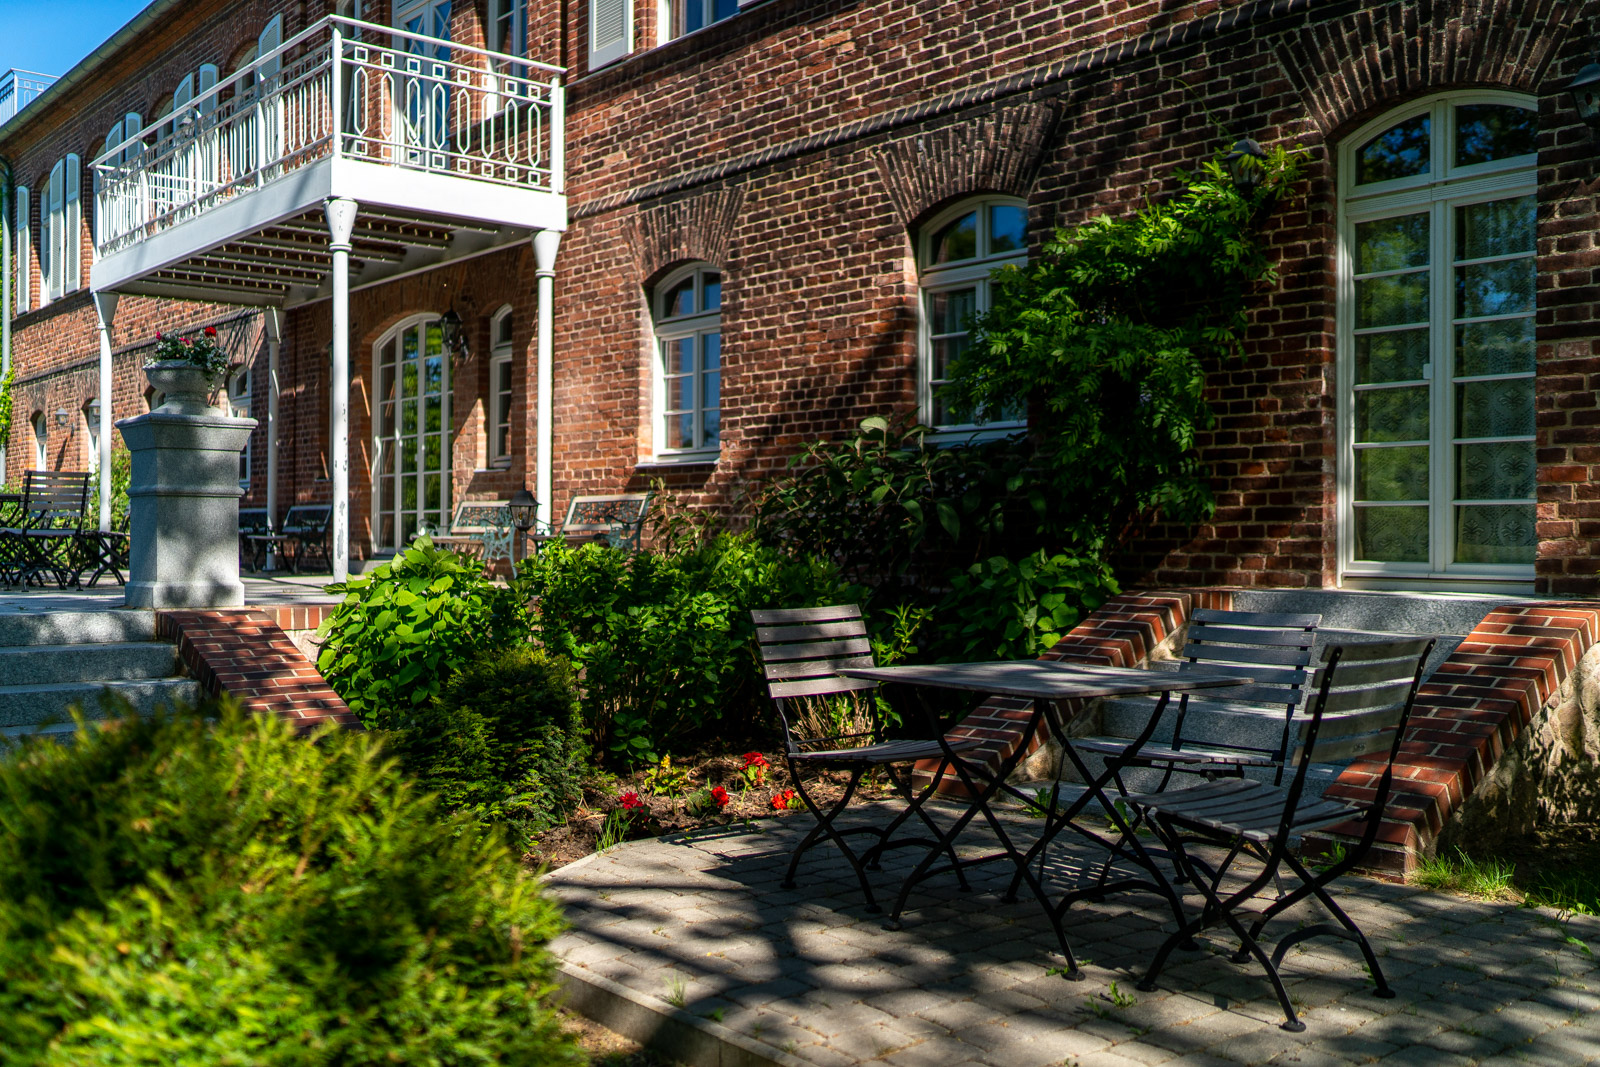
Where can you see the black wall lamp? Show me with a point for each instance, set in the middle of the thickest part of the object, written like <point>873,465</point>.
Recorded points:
<point>455,339</point>
<point>524,508</point>
<point>1585,90</point>
<point>1244,164</point>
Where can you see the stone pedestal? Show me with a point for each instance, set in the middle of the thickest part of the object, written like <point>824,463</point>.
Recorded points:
<point>183,509</point>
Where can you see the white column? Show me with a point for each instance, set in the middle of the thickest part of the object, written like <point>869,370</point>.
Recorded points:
<point>105,310</point>
<point>341,214</point>
<point>545,243</point>
<point>272,324</point>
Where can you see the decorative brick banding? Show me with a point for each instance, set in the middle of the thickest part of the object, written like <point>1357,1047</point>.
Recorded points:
<point>244,653</point>
<point>1466,716</point>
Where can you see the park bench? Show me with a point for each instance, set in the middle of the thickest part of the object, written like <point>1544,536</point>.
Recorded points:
<point>481,529</point>
<point>617,520</point>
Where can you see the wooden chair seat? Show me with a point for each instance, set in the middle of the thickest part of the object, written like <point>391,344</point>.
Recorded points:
<point>885,752</point>
<point>1240,807</point>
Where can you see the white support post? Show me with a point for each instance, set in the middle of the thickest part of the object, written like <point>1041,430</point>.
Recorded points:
<point>341,215</point>
<point>545,243</point>
<point>105,310</point>
<point>272,322</point>
<point>558,137</point>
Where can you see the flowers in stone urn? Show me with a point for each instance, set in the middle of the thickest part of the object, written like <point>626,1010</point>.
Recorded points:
<point>189,371</point>
<point>203,351</point>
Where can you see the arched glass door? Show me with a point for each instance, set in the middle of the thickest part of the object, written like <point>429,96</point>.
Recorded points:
<point>411,433</point>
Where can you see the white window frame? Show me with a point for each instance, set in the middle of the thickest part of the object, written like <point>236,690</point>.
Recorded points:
<point>41,442</point>
<point>668,328</point>
<point>380,444</point>
<point>239,408</point>
<point>498,409</point>
<point>517,12</point>
<point>1442,189</point>
<point>24,250</point>
<point>961,274</point>
<point>91,423</point>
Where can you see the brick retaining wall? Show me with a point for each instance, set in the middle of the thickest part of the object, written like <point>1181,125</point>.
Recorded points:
<point>245,653</point>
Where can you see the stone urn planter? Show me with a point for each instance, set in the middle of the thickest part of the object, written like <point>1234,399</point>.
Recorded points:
<point>187,387</point>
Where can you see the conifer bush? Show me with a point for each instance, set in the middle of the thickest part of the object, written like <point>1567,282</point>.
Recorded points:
<point>204,888</point>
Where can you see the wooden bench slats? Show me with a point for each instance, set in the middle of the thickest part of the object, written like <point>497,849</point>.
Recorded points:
<point>809,632</point>
<point>818,668</point>
<point>818,649</point>
<point>818,687</point>
<point>1253,655</point>
<point>785,616</point>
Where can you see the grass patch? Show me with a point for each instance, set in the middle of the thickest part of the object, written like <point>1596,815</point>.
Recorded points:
<point>1486,879</point>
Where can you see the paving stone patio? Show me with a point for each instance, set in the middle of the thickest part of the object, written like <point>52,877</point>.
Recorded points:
<point>700,931</point>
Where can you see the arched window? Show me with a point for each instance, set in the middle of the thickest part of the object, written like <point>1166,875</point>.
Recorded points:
<point>1436,357</point>
<point>60,254</point>
<point>239,407</point>
<point>91,423</point>
<point>500,376</point>
<point>688,326</point>
<point>411,431</point>
<point>119,133</point>
<point>956,252</point>
<point>41,443</point>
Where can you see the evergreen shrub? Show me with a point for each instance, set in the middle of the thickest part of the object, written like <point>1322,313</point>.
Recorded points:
<point>503,740</point>
<point>206,889</point>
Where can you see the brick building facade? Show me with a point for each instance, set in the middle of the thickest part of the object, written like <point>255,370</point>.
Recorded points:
<point>809,155</point>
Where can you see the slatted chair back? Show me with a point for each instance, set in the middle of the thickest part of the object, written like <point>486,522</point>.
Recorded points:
<point>802,650</point>
<point>1273,649</point>
<point>1362,704</point>
<point>54,500</point>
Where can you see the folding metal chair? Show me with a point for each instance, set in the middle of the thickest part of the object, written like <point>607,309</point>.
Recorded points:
<point>801,650</point>
<point>51,519</point>
<point>1361,708</point>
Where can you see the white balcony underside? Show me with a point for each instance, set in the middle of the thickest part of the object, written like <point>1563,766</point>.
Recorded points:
<point>268,246</point>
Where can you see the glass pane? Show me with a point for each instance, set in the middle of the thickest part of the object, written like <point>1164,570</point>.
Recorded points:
<point>432,375</point>
<point>946,350</point>
<point>1495,533</point>
<point>1391,357</point>
<point>1008,228</point>
<point>1392,535</point>
<point>711,350</point>
<point>1495,409</point>
<point>1392,473</point>
<point>724,9</point>
<point>1392,244</point>
<point>1503,471</point>
<point>408,526</point>
<point>502,439</point>
<point>682,429</point>
<point>430,452</point>
<point>1502,288</point>
<point>711,291</point>
<point>386,378</point>
<point>711,393</point>
<point>386,532</point>
<point>1398,152</point>
<point>408,419</point>
<point>408,455</point>
<point>433,412</point>
<point>408,380</point>
<point>386,420</point>
<point>1494,131</point>
<point>1392,414</point>
<point>680,356</point>
<point>503,331</point>
<point>430,484</point>
<point>679,299</point>
<point>952,310</point>
<point>435,341</point>
<point>958,240</point>
<point>502,377</point>
<point>408,494</point>
<point>386,460</point>
<point>680,393</point>
<point>713,424</point>
<point>1496,228</point>
<point>1504,347</point>
<point>1392,301</point>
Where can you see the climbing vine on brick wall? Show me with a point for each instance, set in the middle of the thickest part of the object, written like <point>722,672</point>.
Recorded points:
<point>1108,335</point>
<point>5,412</point>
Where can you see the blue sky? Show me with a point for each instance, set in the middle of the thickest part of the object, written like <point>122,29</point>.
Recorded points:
<point>50,37</point>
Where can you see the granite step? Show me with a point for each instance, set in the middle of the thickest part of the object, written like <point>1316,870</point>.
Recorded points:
<point>76,627</point>
<point>109,662</point>
<point>25,708</point>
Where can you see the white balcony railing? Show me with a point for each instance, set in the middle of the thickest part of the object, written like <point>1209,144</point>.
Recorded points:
<point>393,98</point>
<point>18,89</point>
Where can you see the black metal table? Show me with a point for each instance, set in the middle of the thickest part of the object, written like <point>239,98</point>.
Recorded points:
<point>1048,685</point>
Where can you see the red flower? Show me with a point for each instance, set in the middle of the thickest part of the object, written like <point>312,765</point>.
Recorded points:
<point>211,331</point>
<point>188,342</point>
<point>780,802</point>
<point>755,759</point>
<point>720,795</point>
<point>630,800</point>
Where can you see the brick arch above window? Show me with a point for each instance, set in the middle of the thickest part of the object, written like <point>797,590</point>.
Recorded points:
<point>1353,69</point>
<point>998,152</point>
<point>694,228</point>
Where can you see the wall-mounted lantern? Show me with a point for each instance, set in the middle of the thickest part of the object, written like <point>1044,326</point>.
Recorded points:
<point>455,339</point>
<point>1244,164</point>
<point>1585,90</point>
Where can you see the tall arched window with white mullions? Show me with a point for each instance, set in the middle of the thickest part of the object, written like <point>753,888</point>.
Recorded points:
<point>956,252</point>
<point>688,325</point>
<point>1436,344</point>
<point>410,431</point>
<point>500,392</point>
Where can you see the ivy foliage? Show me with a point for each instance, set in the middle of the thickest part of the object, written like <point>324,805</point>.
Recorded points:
<point>5,410</point>
<point>1108,333</point>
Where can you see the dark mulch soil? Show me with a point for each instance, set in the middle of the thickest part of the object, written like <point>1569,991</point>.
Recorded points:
<point>678,802</point>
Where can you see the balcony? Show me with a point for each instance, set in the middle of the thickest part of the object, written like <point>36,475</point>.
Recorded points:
<point>449,152</point>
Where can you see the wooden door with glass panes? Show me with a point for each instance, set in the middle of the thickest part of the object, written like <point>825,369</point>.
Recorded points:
<point>1437,344</point>
<point>411,440</point>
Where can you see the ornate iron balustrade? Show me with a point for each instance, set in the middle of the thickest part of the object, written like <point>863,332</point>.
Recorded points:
<point>392,97</point>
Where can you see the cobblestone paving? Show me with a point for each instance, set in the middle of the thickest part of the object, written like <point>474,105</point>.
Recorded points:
<point>704,925</point>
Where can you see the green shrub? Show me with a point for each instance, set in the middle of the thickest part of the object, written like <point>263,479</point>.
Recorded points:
<point>503,740</point>
<point>664,638</point>
<point>177,890</point>
<point>402,631</point>
<point>121,478</point>
<point>1005,610</point>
